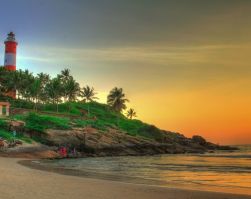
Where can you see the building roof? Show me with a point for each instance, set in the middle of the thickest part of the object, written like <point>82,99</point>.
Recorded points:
<point>4,104</point>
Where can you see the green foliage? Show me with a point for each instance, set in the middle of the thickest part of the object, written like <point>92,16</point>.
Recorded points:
<point>19,103</point>
<point>8,136</point>
<point>20,117</point>
<point>45,95</point>
<point>98,124</point>
<point>107,118</point>
<point>3,124</point>
<point>116,99</point>
<point>40,123</point>
<point>25,139</point>
<point>131,126</point>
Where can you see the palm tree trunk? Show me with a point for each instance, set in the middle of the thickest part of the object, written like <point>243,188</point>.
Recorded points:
<point>88,110</point>
<point>117,120</point>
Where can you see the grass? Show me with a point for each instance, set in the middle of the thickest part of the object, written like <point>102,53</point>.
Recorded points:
<point>40,123</point>
<point>6,135</point>
<point>100,117</point>
<point>9,136</point>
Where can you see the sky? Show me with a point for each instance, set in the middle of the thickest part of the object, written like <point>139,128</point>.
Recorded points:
<point>185,65</point>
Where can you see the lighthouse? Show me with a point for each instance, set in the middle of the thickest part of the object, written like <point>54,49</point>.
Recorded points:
<point>10,58</point>
<point>10,52</point>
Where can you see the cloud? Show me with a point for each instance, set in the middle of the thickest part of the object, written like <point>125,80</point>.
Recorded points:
<point>149,54</point>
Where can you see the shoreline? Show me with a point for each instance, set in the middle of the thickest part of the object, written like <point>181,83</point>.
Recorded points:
<point>23,182</point>
<point>36,164</point>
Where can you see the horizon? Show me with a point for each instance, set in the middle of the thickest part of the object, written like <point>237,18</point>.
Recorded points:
<point>185,67</point>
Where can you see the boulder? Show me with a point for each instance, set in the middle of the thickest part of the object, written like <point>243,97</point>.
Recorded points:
<point>199,140</point>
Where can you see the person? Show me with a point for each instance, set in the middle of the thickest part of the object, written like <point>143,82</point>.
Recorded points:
<point>64,150</point>
<point>14,133</point>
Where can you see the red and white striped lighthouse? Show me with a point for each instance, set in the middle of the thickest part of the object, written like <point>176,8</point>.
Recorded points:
<point>10,52</point>
<point>10,58</point>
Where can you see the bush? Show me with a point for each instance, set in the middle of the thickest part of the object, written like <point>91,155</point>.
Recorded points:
<point>5,135</point>
<point>8,136</point>
<point>42,122</point>
<point>3,124</point>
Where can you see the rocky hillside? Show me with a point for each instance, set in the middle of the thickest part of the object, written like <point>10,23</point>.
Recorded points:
<point>92,142</point>
<point>100,133</point>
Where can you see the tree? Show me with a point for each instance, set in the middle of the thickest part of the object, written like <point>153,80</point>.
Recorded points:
<point>117,101</point>
<point>27,79</point>
<point>88,94</point>
<point>131,113</point>
<point>65,76</point>
<point>71,90</point>
<point>44,80</point>
<point>35,91</point>
<point>54,90</point>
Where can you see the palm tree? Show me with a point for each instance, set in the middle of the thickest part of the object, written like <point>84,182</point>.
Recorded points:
<point>117,101</point>
<point>27,79</point>
<point>71,90</point>
<point>54,90</point>
<point>65,76</point>
<point>88,94</point>
<point>35,91</point>
<point>44,79</point>
<point>131,113</point>
<point>12,80</point>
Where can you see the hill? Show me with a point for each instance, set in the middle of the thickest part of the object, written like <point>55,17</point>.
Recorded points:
<point>101,132</point>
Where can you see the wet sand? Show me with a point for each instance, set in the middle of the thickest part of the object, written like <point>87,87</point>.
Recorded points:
<point>22,182</point>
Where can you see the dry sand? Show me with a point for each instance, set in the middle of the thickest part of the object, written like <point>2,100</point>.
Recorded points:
<point>21,182</point>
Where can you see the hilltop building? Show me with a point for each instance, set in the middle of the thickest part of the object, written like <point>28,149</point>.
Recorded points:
<point>4,109</point>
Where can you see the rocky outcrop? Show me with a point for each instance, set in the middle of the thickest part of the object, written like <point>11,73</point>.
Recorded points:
<point>92,142</point>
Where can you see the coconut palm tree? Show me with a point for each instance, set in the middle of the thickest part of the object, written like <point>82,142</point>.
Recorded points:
<point>54,90</point>
<point>71,90</point>
<point>27,79</point>
<point>117,101</point>
<point>44,79</point>
<point>65,76</point>
<point>88,94</point>
<point>131,113</point>
<point>35,91</point>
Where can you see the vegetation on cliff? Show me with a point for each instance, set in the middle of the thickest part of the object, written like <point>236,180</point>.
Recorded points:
<point>58,111</point>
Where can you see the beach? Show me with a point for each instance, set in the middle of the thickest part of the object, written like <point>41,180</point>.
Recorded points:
<point>18,181</point>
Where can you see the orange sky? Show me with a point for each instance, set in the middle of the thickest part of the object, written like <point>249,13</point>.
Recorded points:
<point>184,65</point>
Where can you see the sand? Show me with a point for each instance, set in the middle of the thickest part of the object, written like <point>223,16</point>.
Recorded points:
<point>21,182</point>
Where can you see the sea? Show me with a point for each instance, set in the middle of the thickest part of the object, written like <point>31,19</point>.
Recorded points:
<point>220,171</point>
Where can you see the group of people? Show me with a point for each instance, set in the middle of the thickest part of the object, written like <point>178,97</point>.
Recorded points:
<point>65,151</point>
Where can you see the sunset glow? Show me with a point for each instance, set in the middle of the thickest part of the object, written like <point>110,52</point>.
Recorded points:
<point>184,66</point>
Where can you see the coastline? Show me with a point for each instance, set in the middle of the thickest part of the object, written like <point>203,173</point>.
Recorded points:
<point>24,182</point>
<point>44,166</point>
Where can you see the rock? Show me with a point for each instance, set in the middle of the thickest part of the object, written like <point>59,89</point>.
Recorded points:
<point>90,141</point>
<point>16,125</point>
<point>18,142</point>
<point>198,139</point>
<point>2,144</point>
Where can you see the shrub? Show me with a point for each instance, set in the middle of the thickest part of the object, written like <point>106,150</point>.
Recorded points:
<point>3,124</point>
<point>8,136</point>
<point>42,122</point>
